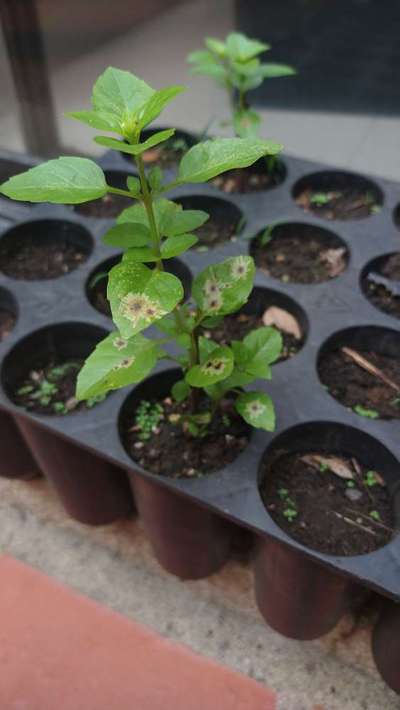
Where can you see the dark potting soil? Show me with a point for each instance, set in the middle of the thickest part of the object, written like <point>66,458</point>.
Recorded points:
<point>215,231</point>
<point>252,179</point>
<point>358,389</point>
<point>344,203</point>
<point>170,451</point>
<point>50,389</point>
<point>322,510</point>
<point>238,325</point>
<point>7,322</point>
<point>31,260</point>
<point>382,289</point>
<point>304,259</point>
<point>107,207</point>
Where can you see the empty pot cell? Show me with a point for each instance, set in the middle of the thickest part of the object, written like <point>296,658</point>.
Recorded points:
<point>295,252</point>
<point>225,223</point>
<point>96,285</point>
<point>334,489</point>
<point>338,195</point>
<point>8,313</point>
<point>39,374</point>
<point>380,282</point>
<point>168,153</point>
<point>265,307</point>
<point>265,174</point>
<point>109,206</point>
<point>152,431</point>
<point>360,367</point>
<point>44,249</point>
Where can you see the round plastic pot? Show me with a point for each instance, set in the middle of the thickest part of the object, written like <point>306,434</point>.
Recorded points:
<point>188,541</point>
<point>91,490</point>
<point>15,458</point>
<point>296,596</point>
<point>386,645</point>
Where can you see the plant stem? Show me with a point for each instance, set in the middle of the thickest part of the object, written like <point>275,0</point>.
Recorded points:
<point>148,204</point>
<point>118,191</point>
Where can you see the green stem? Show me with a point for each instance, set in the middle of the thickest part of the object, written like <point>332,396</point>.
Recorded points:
<point>148,204</point>
<point>118,191</point>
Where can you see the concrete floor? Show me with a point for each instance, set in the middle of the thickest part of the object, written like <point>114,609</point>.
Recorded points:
<point>216,617</point>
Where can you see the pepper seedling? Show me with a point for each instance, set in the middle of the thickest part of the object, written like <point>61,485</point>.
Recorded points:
<point>235,65</point>
<point>153,230</point>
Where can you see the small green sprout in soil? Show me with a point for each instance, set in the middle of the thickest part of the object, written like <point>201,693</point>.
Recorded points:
<point>343,508</point>
<point>143,293</point>
<point>365,412</point>
<point>322,198</point>
<point>371,479</point>
<point>148,416</point>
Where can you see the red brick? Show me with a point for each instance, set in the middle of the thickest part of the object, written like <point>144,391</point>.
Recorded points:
<point>62,651</point>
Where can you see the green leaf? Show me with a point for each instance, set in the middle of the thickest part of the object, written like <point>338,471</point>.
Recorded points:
<point>246,123</point>
<point>133,185</point>
<point>241,48</point>
<point>140,296</point>
<point>120,95</point>
<point>223,288</point>
<point>96,119</point>
<point>180,391</point>
<point>257,409</point>
<point>136,148</point>
<point>185,221</point>
<point>206,347</point>
<point>216,367</point>
<point>157,102</point>
<point>365,412</point>
<point>61,181</point>
<point>142,254</point>
<point>155,178</point>
<point>206,160</point>
<point>270,71</point>
<point>173,246</point>
<point>116,362</point>
<point>260,348</point>
<point>215,46</point>
<point>127,235</point>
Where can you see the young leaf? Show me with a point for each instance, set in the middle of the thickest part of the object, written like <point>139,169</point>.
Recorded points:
<point>133,185</point>
<point>156,103</point>
<point>215,46</point>
<point>241,48</point>
<point>127,235</point>
<point>206,160</point>
<point>270,71</point>
<point>262,347</point>
<point>155,178</point>
<point>180,391</point>
<point>217,366</point>
<point>257,409</point>
<point>182,221</point>
<point>116,362</point>
<point>163,209</point>
<point>142,254</point>
<point>120,94</point>
<point>223,288</point>
<point>136,148</point>
<point>140,296</point>
<point>61,181</point>
<point>96,119</point>
<point>173,246</point>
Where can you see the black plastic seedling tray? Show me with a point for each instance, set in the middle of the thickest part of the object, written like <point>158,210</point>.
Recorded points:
<point>307,416</point>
